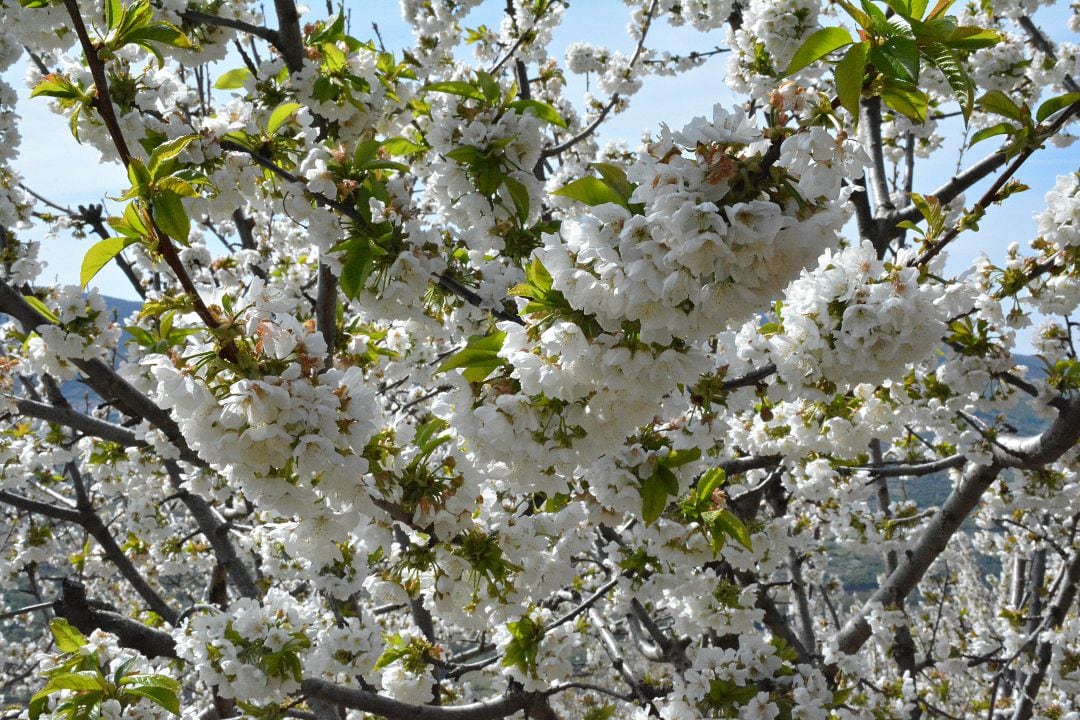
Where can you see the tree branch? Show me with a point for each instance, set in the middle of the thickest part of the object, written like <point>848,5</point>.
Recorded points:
<point>84,424</point>
<point>39,508</point>
<point>88,615</point>
<point>200,18</point>
<point>1041,449</point>
<point>375,704</point>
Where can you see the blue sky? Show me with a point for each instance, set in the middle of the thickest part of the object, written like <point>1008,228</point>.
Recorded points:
<point>54,165</point>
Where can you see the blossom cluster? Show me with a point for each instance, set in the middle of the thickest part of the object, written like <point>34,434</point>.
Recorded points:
<point>716,236</point>
<point>852,319</point>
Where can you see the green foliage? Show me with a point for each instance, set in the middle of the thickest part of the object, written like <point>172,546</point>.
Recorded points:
<point>413,653</point>
<point>611,187</point>
<point>487,564</point>
<point>705,505</point>
<point>162,338</point>
<point>818,45</point>
<point>850,72</point>
<point>888,60</point>
<point>524,645</point>
<point>488,167</point>
<point>547,305</point>
<point>933,213</point>
<point>232,79</point>
<point>478,359</point>
<point>283,663</point>
<point>100,255</point>
<point>79,677</point>
<point>71,97</point>
<point>134,24</point>
<point>661,484</point>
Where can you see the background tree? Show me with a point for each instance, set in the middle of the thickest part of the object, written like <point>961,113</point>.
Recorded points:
<point>436,409</point>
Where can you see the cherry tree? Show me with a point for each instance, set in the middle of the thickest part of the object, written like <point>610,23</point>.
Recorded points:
<point>436,408</point>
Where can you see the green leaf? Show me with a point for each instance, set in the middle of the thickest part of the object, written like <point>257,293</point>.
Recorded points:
<point>42,309</point>
<point>479,358</point>
<point>897,57</point>
<point>725,522</point>
<point>856,14</point>
<point>114,14</point>
<point>934,31</point>
<point>541,110</point>
<point>356,266</point>
<point>556,502</point>
<point>177,185</point>
<point>58,86</point>
<point>138,175</point>
<point>489,87</point>
<point>951,65</point>
<point>939,9</point>
<point>280,116</point>
<point>1002,128</point>
<point>159,32</point>
<point>615,177</point>
<point>466,154</point>
<point>386,165</point>
<point>1056,104</point>
<point>364,153</point>
<point>163,697</point>
<point>916,8</point>
<point>879,23</point>
<point>97,257</point>
<point>678,458</point>
<point>591,191</point>
<point>908,225</point>
<point>999,103</point>
<point>401,146</point>
<point>817,46</point>
<point>83,680</point>
<point>233,79</point>
<point>709,481</point>
<point>967,37</point>
<point>171,217</point>
<point>850,73</point>
<point>906,99</point>
<point>68,638</point>
<point>37,705</point>
<point>455,87</point>
<point>333,59</point>
<point>153,680</point>
<point>167,151</point>
<point>654,499</point>
<point>519,194</point>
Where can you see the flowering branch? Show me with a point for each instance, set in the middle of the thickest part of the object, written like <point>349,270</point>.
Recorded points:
<point>1039,450</point>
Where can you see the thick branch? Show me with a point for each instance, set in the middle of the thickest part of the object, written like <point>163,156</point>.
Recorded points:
<point>39,508</point>
<point>1028,452</point>
<point>326,310</point>
<point>290,40</point>
<point>216,531</point>
<point>88,615</point>
<point>83,424</point>
<point>872,121</point>
<point>200,18</point>
<point>396,710</point>
<point>917,560</point>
